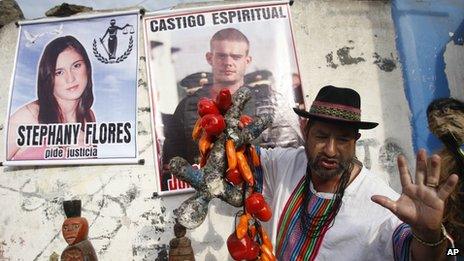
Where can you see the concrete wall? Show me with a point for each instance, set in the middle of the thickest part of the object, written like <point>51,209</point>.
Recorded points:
<point>344,43</point>
<point>454,60</point>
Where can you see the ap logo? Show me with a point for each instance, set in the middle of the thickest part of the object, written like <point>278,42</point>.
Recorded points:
<point>452,252</point>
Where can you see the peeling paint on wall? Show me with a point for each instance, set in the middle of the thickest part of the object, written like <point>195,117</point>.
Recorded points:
<point>2,252</point>
<point>345,57</point>
<point>144,109</point>
<point>388,155</point>
<point>141,130</point>
<point>454,60</point>
<point>366,144</point>
<point>385,64</point>
<point>157,220</point>
<point>330,63</point>
<point>157,252</point>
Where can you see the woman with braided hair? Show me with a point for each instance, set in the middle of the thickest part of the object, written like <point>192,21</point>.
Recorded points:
<point>446,121</point>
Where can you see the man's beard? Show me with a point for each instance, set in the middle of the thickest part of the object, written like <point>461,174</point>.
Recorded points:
<point>327,174</point>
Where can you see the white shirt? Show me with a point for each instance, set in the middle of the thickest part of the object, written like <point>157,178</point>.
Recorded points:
<point>362,229</point>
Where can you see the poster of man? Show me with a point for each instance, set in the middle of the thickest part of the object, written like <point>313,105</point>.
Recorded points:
<point>195,53</point>
<point>73,93</point>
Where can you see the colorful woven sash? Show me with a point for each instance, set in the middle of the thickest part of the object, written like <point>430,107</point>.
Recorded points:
<point>293,241</point>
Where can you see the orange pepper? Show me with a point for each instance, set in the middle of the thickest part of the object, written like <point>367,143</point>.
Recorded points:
<point>203,160</point>
<point>254,156</point>
<point>264,257</point>
<point>231,156</point>
<point>197,130</point>
<point>242,226</point>
<point>204,144</point>
<point>244,168</point>
<point>253,231</point>
<point>265,237</point>
<point>267,253</point>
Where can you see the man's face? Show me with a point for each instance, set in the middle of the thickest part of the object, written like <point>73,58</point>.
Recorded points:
<point>330,148</point>
<point>229,60</point>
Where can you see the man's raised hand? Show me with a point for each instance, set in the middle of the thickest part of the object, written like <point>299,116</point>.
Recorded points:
<point>422,203</point>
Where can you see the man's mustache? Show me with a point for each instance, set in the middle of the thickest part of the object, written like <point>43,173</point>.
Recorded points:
<point>343,165</point>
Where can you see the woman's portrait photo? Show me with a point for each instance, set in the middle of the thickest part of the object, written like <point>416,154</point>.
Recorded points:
<point>71,98</point>
<point>64,91</point>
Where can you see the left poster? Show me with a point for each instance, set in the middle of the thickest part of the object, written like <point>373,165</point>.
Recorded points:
<point>73,96</point>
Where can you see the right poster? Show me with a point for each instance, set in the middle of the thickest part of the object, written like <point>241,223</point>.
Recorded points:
<point>197,52</point>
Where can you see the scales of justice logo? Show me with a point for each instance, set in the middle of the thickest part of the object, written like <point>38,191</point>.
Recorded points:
<point>111,45</point>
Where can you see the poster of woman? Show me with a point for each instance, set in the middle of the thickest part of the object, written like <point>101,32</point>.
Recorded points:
<point>194,53</point>
<point>73,93</point>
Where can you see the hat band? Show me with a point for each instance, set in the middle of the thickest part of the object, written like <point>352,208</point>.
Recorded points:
<point>335,111</point>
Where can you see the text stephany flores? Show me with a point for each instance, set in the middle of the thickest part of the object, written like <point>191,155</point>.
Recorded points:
<point>69,134</point>
<point>222,17</point>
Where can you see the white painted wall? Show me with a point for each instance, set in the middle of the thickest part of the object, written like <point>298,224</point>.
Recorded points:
<point>454,60</point>
<point>127,223</point>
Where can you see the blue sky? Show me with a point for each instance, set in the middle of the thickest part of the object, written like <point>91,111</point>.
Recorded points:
<point>36,8</point>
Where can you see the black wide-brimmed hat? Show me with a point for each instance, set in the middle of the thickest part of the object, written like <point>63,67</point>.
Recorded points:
<point>341,105</point>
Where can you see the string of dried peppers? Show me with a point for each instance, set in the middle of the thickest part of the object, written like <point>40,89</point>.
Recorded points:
<point>249,241</point>
<point>230,166</point>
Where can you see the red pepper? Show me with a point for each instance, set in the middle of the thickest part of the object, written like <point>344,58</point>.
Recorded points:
<point>242,249</point>
<point>234,176</point>
<point>207,106</point>
<point>264,214</point>
<point>254,203</point>
<point>257,206</point>
<point>244,121</point>
<point>224,100</point>
<point>213,124</point>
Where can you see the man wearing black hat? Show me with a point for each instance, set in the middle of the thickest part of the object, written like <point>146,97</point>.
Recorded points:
<point>324,200</point>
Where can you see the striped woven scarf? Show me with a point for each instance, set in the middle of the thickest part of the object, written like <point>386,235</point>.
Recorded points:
<point>293,240</point>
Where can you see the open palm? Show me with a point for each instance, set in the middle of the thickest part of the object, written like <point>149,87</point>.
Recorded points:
<point>421,204</point>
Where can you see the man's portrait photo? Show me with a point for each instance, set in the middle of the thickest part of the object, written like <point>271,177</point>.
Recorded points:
<point>188,64</point>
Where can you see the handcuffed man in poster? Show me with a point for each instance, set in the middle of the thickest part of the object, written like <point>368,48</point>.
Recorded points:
<point>229,58</point>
